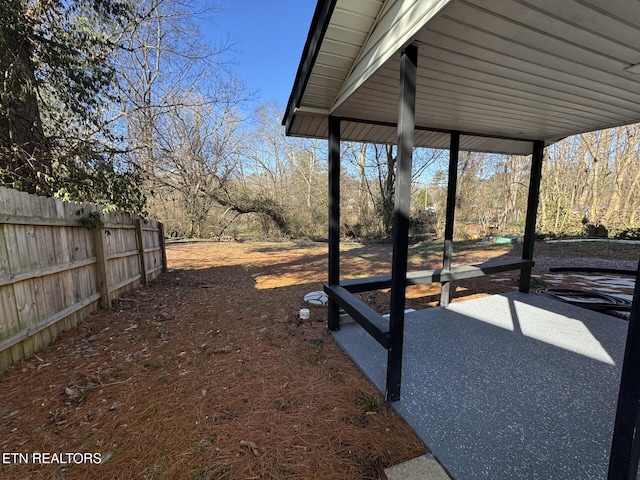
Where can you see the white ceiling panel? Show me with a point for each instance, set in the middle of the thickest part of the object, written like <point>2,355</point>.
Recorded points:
<point>520,70</point>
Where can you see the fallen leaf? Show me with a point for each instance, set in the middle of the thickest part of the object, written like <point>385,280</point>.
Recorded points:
<point>72,392</point>
<point>226,349</point>
<point>252,446</point>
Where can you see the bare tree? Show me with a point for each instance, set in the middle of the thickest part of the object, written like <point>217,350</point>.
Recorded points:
<point>592,178</point>
<point>614,173</point>
<point>286,174</point>
<point>196,148</point>
<point>165,64</point>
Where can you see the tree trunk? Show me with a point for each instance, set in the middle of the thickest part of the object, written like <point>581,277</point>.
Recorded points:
<point>24,152</point>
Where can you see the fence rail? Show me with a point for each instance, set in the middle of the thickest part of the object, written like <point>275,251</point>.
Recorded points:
<point>60,261</point>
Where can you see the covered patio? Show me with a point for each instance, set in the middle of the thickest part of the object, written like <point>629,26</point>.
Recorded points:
<point>506,386</point>
<point>503,76</point>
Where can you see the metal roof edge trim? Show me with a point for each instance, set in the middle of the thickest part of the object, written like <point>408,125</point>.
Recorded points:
<point>317,30</point>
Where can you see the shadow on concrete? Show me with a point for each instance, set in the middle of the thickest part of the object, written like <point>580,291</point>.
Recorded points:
<point>506,386</point>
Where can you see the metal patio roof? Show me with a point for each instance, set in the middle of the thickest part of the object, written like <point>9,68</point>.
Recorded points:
<point>502,72</point>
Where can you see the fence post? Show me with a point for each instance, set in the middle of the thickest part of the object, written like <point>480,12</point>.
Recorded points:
<point>143,263</point>
<point>163,250</point>
<point>101,267</point>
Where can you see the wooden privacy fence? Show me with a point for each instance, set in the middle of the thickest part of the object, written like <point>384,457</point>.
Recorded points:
<point>59,261</point>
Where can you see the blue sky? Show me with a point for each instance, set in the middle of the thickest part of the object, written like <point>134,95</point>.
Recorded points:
<point>270,36</point>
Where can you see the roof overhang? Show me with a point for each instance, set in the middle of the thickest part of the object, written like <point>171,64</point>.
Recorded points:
<point>501,72</point>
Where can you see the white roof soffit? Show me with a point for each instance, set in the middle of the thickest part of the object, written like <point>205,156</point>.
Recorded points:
<point>517,70</point>
<point>398,23</point>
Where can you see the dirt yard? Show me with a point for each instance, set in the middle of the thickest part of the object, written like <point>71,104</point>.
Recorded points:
<point>208,373</point>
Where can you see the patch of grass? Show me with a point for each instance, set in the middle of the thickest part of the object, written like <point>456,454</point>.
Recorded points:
<point>200,447</point>
<point>370,402</point>
<point>160,470</point>
<point>314,351</point>
<point>218,472</point>
<point>158,365</point>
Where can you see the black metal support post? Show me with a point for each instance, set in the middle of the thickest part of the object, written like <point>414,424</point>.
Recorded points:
<point>333,320</point>
<point>532,213</point>
<point>450,214</point>
<point>625,445</point>
<point>406,124</point>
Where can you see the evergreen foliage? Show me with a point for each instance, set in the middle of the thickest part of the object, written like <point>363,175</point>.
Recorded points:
<point>56,59</point>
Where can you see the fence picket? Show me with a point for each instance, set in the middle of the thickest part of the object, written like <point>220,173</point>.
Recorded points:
<point>54,272</point>
<point>8,322</point>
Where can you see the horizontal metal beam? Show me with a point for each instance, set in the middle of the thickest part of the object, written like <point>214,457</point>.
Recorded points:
<point>425,277</point>
<point>368,284</point>
<point>374,323</point>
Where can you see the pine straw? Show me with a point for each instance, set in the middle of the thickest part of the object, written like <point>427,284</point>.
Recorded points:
<point>202,375</point>
<point>209,374</point>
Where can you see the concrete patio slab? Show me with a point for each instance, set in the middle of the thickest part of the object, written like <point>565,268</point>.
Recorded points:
<point>420,468</point>
<point>506,386</point>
